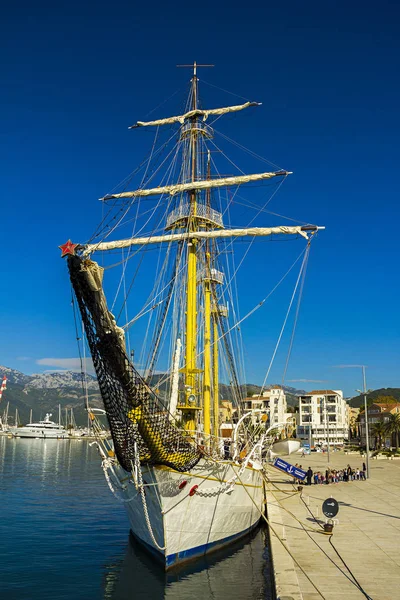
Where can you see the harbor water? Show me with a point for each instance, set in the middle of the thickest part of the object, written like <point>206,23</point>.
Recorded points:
<point>64,536</point>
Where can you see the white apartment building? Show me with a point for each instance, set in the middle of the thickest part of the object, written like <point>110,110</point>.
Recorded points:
<point>271,402</point>
<point>323,416</point>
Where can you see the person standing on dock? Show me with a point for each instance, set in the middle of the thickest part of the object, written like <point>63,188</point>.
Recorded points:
<point>309,476</point>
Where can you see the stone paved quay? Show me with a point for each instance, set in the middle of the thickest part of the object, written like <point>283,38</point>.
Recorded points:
<point>367,535</point>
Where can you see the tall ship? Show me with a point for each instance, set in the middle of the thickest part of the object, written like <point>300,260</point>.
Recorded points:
<point>169,333</point>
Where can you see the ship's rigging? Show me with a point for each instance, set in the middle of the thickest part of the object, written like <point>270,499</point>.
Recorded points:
<point>192,295</point>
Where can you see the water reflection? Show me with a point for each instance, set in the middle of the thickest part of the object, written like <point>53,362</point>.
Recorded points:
<point>238,573</point>
<point>61,525</point>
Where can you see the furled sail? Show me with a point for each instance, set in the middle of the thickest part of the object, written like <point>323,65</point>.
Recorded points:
<point>198,185</point>
<point>217,233</point>
<point>195,113</point>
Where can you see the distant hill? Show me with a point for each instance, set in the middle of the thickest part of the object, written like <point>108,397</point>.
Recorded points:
<point>45,392</point>
<point>358,401</point>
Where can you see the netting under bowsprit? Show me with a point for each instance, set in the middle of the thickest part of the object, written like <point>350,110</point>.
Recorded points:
<point>138,420</point>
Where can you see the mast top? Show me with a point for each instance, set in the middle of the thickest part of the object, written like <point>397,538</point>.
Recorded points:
<point>194,66</point>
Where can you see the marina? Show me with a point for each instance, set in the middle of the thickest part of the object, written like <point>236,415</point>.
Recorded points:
<point>199,359</point>
<point>65,537</point>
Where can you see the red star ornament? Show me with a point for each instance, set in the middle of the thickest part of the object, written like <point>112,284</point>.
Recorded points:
<point>68,248</point>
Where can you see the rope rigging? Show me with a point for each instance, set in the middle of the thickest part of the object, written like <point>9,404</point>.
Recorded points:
<point>169,293</point>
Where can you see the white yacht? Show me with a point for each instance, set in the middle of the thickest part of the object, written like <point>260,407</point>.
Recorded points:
<point>42,429</point>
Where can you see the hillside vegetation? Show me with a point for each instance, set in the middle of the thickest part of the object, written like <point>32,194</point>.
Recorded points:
<point>381,395</point>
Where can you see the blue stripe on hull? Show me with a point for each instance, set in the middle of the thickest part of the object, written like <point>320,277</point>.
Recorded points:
<point>185,556</point>
<point>192,553</point>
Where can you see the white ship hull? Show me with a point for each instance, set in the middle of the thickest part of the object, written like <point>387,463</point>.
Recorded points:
<point>188,526</point>
<point>25,432</point>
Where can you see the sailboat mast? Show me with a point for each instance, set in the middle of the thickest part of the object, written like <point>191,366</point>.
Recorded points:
<point>189,409</point>
<point>215,374</point>
<point>207,327</point>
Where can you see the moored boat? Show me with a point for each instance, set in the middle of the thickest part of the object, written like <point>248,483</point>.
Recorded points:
<point>45,429</point>
<point>187,487</point>
<point>286,446</point>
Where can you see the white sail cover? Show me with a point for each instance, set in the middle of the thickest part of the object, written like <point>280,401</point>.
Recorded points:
<point>194,113</point>
<point>224,233</point>
<point>198,185</point>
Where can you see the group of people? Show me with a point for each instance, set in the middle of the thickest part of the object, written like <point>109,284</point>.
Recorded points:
<point>335,476</point>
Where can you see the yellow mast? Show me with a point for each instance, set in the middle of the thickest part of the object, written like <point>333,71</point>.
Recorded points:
<point>207,351</point>
<point>189,408</point>
<point>207,329</point>
<point>191,403</point>
<point>215,374</point>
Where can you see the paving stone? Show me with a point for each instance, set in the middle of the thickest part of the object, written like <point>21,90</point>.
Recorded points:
<point>366,536</point>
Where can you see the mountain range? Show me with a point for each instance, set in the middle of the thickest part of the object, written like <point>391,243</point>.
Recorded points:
<point>45,392</point>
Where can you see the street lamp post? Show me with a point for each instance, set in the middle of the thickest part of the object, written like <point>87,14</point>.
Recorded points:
<point>366,419</point>
<point>326,425</point>
<point>364,391</point>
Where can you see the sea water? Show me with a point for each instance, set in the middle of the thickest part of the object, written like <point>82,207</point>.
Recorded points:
<point>63,535</point>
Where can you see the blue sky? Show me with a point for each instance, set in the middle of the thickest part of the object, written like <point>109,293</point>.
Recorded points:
<point>74,78</point>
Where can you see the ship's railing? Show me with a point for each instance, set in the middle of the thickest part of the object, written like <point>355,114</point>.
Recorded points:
<point>229,447</point>
<point>211,445</point>
<point>213,275</point>
<point>203,212</point>
<point>222,311</point>
<point>196,128</point>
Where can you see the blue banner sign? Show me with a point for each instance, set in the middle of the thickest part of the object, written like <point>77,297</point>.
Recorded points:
<point>282,465</point>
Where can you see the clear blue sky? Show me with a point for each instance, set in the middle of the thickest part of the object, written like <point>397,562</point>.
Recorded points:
<point>74,77</point>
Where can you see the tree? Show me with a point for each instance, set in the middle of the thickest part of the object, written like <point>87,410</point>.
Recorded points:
<point>379,430</point>
<point>393,426</point>
<point>385,400</point>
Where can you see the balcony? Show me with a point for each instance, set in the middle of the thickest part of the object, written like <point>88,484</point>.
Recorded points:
<point>205,215</point>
